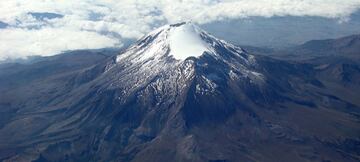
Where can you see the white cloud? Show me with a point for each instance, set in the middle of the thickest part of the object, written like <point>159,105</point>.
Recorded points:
<point>105,23</point>
<point>19,43</point>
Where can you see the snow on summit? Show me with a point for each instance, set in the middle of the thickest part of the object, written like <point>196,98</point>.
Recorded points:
<point>180,41</point>
<point>185,41</point>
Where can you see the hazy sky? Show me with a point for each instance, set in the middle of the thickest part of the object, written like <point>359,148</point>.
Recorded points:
<point>48,27</point>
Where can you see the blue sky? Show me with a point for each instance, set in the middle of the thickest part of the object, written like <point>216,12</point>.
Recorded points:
<point>48,27</point>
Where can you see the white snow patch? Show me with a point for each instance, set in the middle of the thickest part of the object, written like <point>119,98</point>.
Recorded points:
<point>185,41</point>
<point>233,75</point>
<point>207,87</point>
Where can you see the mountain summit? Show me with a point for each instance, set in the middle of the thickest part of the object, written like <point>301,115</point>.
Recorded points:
<point>180,94</point>
<point>179,41</point>
<point>182,40</point>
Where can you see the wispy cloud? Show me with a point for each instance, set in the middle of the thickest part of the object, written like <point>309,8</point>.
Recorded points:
<point>47,27</point>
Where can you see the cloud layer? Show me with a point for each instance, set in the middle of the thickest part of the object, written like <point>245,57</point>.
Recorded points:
<point>47,27</point>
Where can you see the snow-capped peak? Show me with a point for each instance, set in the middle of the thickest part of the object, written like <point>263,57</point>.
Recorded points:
<point>179,41</point>
<point>164,52</point>
<point>185,41</point>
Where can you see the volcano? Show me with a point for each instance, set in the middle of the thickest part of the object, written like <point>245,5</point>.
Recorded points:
<point>181,94</point>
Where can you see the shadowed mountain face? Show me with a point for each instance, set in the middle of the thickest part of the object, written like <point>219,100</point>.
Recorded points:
<point>349,45</point>
<point>345,47</point>
<point>157,101</point>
